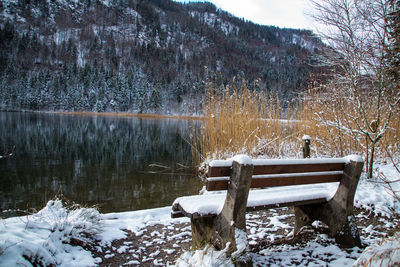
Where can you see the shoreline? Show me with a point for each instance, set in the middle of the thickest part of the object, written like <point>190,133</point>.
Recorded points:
<point>115,114</point>
<point>129,115</point>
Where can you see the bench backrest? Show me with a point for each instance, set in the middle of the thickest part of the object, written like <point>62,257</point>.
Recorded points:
<point>279,172</point>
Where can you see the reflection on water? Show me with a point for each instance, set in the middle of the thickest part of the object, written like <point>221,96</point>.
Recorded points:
<point>119,163</point>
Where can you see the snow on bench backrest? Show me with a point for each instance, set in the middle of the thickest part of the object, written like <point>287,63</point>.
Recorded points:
<point>281,172</point>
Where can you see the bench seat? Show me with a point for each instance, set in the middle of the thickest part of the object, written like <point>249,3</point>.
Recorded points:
<point>211,204</point>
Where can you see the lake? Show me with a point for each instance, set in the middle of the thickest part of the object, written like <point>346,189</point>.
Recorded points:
<point>119,164</point>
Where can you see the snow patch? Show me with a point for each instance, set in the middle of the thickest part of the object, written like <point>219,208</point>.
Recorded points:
<point>257,162</point>
<point>241,242</point>
<point>114,224</point>
<point>243,159</point>
<point>204,258</point>
<point>355,158</point>
<point>221,163</point>
<point>373,196</point>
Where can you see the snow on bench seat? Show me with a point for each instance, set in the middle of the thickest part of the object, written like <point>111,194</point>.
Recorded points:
<point>258,162</point>
<point>211,204</point>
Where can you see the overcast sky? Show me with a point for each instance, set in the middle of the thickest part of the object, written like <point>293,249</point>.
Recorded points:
<point>281,13</point>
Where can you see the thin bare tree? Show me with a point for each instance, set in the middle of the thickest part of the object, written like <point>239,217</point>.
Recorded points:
<point>359,91</point>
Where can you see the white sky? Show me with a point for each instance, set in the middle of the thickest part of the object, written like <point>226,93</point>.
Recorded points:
<point>281,13</point>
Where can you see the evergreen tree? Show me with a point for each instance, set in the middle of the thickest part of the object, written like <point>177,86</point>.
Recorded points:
<point>155,98</point>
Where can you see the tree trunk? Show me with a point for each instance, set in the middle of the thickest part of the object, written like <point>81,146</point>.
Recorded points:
<point>367,156</point>
<point>371,161</point>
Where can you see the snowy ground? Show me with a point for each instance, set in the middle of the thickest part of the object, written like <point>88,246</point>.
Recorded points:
<point>82,237</point>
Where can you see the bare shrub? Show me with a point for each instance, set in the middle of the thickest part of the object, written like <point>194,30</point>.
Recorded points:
<point>359,99</point>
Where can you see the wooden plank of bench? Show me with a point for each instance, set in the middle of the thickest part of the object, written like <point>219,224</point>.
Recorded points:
<point>181,213</point>
<point>178,212</point>
<point>273,180</point>
<point>210,204</point>
<point>287,204</point>
<point>280,168</point>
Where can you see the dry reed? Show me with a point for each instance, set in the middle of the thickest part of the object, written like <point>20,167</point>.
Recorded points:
<point>238,120</point>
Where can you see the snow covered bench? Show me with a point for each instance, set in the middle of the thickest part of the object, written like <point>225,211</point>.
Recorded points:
<point>319,189</point>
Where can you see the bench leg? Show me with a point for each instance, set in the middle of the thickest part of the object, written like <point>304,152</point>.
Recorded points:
<point>337,213</point>
<point>340,224</point>
<point>301,219</point>
<point>212,230</point>
<point>233,214</point>
<point>203,231</point>
<point>220,230</point>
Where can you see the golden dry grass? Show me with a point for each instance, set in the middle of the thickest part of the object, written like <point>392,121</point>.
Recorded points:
<point>238,120</point>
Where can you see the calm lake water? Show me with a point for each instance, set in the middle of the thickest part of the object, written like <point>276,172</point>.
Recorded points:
<point>119,164</point>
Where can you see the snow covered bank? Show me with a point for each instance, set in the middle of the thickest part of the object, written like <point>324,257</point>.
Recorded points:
<point>46,238</point>
<point>115,224</point>
<point>60,236</point>
<point>375,196</point>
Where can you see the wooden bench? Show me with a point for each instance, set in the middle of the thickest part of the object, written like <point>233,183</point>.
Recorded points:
<point>319,189</point>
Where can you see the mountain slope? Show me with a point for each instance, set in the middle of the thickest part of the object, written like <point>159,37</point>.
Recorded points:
<point>138,55</point>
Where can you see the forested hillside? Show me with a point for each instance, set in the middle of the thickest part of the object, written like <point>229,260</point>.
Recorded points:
<point>139,55</point>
